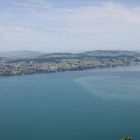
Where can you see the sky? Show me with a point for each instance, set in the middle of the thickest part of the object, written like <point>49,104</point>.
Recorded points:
<point>69,25</point>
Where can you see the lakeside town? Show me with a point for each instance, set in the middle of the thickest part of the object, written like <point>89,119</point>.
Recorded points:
<point>55,62</point>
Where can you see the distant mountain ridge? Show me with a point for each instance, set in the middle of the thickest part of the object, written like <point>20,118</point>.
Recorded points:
<point>96,53</point>
<point>20,54</point>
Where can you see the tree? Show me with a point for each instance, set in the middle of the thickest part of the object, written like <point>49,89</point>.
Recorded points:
<point>126,138</point>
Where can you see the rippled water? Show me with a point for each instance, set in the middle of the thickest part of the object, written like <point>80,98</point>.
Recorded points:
<point>84,105</point>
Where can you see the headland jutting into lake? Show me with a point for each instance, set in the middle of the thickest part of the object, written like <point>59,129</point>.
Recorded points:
<point>55,62</point>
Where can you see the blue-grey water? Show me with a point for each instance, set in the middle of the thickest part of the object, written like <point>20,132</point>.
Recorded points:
<point>84,105</point>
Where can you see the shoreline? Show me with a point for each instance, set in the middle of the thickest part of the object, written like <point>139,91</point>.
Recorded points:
<point>70,70</point>
<point>52,63</point>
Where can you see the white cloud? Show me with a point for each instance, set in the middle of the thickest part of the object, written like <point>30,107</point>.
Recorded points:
<point>105,26</point>
<point>106,17</point>
<point>33,4</point>
<point>19,33</point>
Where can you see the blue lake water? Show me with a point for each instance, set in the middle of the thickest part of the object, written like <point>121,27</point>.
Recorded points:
<point>84,105</point>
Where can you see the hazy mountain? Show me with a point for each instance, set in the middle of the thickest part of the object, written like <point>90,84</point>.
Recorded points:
<point>95,53</point>
<point>20,54</point>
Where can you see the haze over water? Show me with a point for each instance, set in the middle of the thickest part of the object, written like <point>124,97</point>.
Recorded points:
<point>82,105</point>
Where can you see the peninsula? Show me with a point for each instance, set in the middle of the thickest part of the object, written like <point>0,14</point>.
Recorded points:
<point>55,62</point>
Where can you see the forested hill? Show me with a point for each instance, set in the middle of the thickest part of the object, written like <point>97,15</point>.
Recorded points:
<point>54,62</point>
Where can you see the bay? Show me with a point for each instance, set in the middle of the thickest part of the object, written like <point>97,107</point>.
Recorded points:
<point>82,105</point>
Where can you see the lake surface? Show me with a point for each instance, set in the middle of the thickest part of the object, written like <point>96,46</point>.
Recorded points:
<point>84,105</point>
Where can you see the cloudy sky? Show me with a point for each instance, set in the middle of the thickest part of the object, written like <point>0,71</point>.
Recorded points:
<point>69,25</point>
